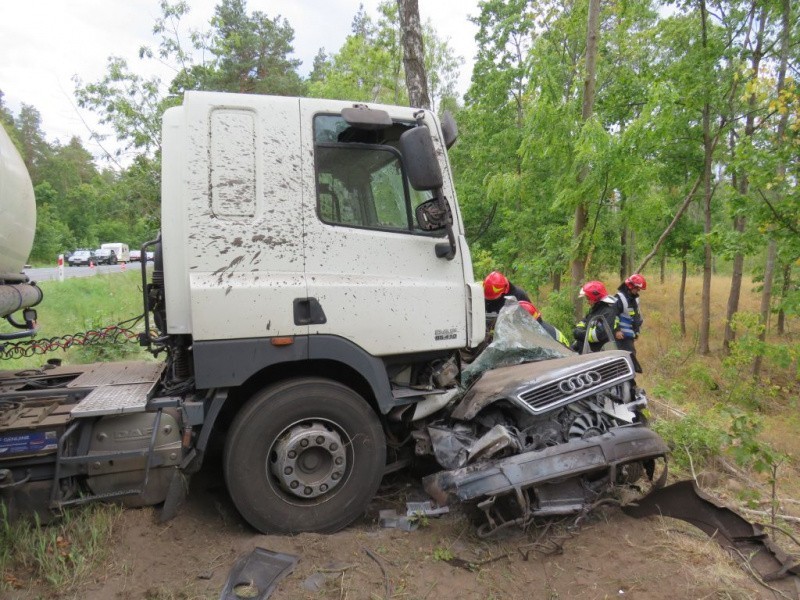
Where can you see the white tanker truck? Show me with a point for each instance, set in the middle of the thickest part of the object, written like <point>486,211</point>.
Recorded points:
<point>312,297</point>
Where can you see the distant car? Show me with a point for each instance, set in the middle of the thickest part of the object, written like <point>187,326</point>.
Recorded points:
<point>81,257</point>
<point>105,256</point>
<point>151,256</point>
<point>136,255</point>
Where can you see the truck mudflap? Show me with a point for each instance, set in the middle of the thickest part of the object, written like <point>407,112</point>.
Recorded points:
<point>599,454</point>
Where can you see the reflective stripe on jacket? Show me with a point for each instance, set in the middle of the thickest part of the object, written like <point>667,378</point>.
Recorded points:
<point>630,320</point>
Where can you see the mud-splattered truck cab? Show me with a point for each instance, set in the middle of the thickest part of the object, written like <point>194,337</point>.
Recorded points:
<point>281,218</point>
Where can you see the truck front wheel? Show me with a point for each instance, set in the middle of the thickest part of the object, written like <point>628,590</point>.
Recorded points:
<point>304,455</point>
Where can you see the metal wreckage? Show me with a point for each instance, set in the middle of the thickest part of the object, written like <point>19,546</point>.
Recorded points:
<point>537,430</point>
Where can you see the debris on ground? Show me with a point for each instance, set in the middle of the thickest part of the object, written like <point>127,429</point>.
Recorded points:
<point>256,575</point>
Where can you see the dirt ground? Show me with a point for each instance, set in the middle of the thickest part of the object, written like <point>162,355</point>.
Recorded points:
<point>609,555</point>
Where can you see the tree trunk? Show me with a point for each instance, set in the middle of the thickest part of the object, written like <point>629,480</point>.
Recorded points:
<point>682,296</point>
<point>623,259</point>
<point>413,54</point>
<point>708,258</point>
<point>557,281</point>
<point>663,268</point>
<point>787,285</point>
<point>579,260</point>
<point>766,300</point>
<point>736,291</point>
<point>708,150</point>
<point>772,251</point>
<point>578,265</point>
<point>742,183</point>
<point>631,250</point>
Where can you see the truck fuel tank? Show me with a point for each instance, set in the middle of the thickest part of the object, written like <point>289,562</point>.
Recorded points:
<point>18,207</point>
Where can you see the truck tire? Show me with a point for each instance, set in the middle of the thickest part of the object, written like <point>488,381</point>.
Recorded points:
<point>304,455</point>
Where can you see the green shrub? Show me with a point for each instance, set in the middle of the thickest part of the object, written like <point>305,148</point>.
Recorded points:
<point>693,436</point>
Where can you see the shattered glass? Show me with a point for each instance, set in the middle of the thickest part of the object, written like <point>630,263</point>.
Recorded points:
<point>518,338</point>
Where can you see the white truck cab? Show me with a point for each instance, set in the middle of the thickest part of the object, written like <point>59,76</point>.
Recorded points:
<point>279,218</point>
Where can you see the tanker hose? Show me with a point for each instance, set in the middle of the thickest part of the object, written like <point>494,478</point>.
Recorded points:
<point>18,296</point>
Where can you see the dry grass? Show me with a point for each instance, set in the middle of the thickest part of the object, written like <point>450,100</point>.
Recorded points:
<point>705,562</point>
<point>676,376</point>
<point>665,354</point>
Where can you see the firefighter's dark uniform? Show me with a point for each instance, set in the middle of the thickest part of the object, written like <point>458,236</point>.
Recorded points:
<point>592,326</point>
<point>630,322</point>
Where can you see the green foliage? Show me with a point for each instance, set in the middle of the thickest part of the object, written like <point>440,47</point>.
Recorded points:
<point>700,373</point>
<point>251,53</point>
<point>127,102</point>
<point>746,447</point>
<point>749,392</point>
<point>557,311</point>
<point>369,65</point>
<point>694,440</point>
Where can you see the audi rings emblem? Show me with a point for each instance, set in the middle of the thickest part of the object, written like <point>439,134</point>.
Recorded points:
<point>580,382</point>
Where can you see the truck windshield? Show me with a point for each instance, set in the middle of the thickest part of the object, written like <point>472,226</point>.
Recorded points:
<point>360,177</point>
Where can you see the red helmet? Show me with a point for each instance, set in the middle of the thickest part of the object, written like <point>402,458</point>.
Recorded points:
<point>593,291</point>
<point>495,285</point>
<point>636,282</point>
<point>531,309</point>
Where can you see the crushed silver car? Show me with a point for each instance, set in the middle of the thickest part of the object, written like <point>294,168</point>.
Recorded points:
<point>537,430</point>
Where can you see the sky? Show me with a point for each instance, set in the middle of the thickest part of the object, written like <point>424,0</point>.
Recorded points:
<point>45,43</point>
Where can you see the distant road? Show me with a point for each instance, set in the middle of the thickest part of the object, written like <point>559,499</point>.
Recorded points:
<point>51,273</point>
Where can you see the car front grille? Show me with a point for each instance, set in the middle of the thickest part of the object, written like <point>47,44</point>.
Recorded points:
<point>577,385</point>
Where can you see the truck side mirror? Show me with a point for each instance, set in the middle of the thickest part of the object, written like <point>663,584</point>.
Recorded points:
<point>449,129</point>
<point>420,160</point>
<point>432,217</point>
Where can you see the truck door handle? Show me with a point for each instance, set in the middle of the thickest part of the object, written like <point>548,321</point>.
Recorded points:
<point>308,311</point>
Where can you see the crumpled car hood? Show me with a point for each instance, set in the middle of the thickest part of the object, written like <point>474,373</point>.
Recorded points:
<point>537,383</point>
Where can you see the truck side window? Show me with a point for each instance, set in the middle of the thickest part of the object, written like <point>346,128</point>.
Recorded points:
<point>361,182</point>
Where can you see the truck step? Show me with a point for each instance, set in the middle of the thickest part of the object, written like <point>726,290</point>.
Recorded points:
<point>96,497</point>
<point>100,374</point>
<point>118,388</point>
<point>113,399</point>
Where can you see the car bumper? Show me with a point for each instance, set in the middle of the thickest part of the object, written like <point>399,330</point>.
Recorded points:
<point>578,457</point>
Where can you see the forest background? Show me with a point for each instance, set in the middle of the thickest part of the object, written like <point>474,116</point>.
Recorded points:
<point>597,139</point>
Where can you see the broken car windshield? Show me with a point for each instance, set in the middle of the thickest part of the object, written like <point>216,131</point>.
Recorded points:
<point>518,338</point>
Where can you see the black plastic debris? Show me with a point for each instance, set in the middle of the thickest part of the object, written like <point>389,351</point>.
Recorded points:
<point>256,575</point>
<point>684,500</point>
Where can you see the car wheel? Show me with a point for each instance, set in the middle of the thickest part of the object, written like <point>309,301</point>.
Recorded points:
<point>304,455</point>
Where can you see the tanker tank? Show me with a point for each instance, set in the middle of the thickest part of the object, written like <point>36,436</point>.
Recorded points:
<point>18,210</point>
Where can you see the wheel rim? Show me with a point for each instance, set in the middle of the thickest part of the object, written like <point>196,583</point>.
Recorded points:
<point>310,460</point>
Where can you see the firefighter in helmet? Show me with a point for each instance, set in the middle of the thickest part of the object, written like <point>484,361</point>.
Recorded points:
<point>550,329</point>
<point>630,314</point>
<point>601,323</point>
<point>496,287</point>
